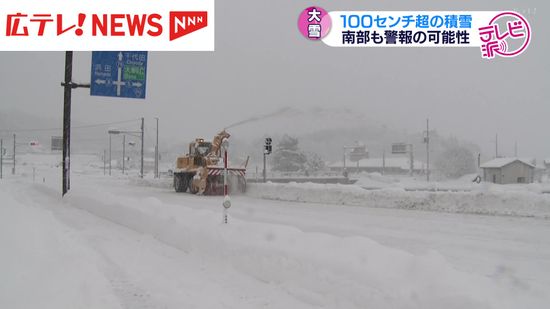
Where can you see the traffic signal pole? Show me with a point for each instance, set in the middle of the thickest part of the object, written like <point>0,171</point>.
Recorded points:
<point>264,173</point>
<point>267,150</point>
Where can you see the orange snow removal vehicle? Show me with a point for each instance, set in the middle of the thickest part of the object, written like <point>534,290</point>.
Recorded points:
<point>201,171</point>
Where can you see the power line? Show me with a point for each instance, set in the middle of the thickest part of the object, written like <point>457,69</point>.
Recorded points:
<point>75,127</point>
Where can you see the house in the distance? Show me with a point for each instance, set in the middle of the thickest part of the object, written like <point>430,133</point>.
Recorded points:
<point>508,170</point>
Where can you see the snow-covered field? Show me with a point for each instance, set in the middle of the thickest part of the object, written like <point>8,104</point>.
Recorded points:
<point>487,199</point>
<point>114,242</point>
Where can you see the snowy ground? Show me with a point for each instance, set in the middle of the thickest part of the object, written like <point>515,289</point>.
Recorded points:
<point>118,243</point>
<point>487,199</point>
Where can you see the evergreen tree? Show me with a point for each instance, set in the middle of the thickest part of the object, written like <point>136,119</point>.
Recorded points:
<point>287,157</point>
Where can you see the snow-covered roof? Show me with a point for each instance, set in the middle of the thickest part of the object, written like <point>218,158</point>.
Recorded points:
<point>501,162</point>
<point>397,162</point>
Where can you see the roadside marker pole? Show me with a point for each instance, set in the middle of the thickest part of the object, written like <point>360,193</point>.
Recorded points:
<point>225,173</point>
<point>226,200</point>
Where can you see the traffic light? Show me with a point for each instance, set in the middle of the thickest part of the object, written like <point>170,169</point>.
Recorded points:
<point>267,147</point>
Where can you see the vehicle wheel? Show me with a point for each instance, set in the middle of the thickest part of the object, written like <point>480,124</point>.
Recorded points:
<point>179,183</point>
<point>184,180</point>
<point>192,188</point>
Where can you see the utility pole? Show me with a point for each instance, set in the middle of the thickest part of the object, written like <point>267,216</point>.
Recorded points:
<point>344,162</point>
<point>516,149</point>
<point>478,160</point>
<point>411,158</point>
<point>142,138</point>
<point>496,145</point>
<point>13,169</point>
<point>428,150</point>
<point>67,85</point>
<point>383,161</point>
<point>157,151</point>
<point>110,154</point>
<point>67,121</point>
<point>1,156</point>
<point>123,152</point>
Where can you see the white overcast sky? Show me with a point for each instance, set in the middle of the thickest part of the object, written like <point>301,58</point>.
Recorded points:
<point>262,64</point>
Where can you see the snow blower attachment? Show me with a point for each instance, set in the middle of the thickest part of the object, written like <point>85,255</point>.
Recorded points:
<point>201,170</point>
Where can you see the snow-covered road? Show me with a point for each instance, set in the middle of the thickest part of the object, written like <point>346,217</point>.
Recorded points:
<point>141,271</point>
<point>149,247</point>
<point>511,248</point>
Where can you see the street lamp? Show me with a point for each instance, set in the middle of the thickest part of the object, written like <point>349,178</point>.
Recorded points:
<point>132,133</point>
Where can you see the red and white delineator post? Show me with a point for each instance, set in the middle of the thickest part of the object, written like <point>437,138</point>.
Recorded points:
<point>226,200</point>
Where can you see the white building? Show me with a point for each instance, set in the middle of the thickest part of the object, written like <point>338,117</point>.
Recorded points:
<point>508,170</point>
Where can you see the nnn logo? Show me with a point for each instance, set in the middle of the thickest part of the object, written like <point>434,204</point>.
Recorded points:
<point>183,23</point>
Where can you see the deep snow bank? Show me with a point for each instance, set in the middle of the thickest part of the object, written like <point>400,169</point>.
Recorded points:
<point>321,270</point>
<point>43,265</point>
<point>483,200</point>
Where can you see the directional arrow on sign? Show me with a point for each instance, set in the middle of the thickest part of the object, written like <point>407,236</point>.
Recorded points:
<point>113,77</point>
<point>119,83</point>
